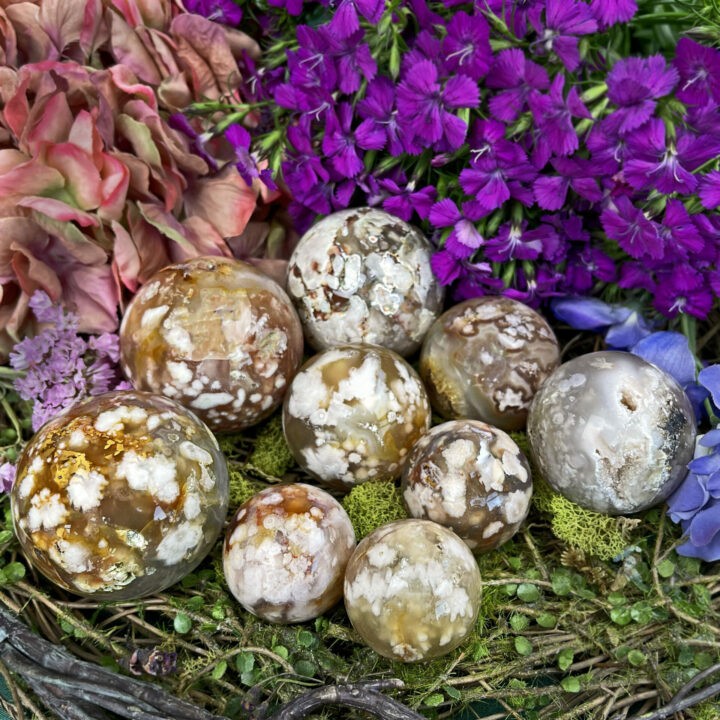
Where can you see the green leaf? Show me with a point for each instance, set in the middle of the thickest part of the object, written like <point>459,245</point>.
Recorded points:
<point>561,584</point>
<point>523,646</point>
<point>565,658</point>
<point>616,598</point>
<point>434,700</point>
<point>305,668</point>
<point>219,670</point>
<point>519,622</point>
<point>245,662</point>
<point>570,684</point>
<point>642,613</point>
<point>282,651</point>
<point>182,623</point>
<point>305,639</point>
<point>218,613</point>
<point>5,536</point>
<point>510,589</point>
<point>621,616</point>
<point>14,571</point>
<point>546,620</point>
<point>528,592</point>
<point>636,658</point>
<point>452,693</point>
<point>196,602</point>
<point>666,568</point>
<point>703,660</point>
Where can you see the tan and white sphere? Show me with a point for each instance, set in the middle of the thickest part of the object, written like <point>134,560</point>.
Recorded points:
<point>363,276</point>
<point>412,590</point>
<point>472,478</point>
<point>285,553</point>
<point>485,359</point>
<point>215,334</point>
<point>121,496</point>
<point>353,413</point>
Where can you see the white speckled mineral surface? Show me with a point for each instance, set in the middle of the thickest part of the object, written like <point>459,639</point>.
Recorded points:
<point>472,478</point>
<point>364,276</point>
<point>353,413</point>
<point>285,553</point>
<point>215,334</point>
<point>485,359</point>
<point>612,432</point>
<point>412,590</point>
<point>121,496</point>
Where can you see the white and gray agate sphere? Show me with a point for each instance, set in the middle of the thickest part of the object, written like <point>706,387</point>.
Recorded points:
<point>611,432</point>
<point>364,276</point>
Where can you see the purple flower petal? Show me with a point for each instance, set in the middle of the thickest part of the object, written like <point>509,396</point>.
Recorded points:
<point>671,352</point>
<point>709,377</point>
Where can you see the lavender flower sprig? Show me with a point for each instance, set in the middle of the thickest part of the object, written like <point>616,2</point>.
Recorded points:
<point>59,366</point>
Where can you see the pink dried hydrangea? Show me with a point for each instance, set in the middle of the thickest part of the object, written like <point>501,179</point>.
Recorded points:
<point>97,190</point>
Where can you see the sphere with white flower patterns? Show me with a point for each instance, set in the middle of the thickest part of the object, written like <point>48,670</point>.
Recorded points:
<point>121,496</point>
<point>412,590</point>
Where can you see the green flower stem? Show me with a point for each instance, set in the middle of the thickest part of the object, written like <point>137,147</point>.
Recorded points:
<point>8,409</point>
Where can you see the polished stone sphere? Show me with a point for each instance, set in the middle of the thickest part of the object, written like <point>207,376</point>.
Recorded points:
<point>121,496</point>
<point>472,478</point>
<point>363,276</point>
<point>485,358</point>
<point>412,590</point>
<point>215,334</point>
<point>353,413</point>
<point>611,432</point>
<point>285,553</point>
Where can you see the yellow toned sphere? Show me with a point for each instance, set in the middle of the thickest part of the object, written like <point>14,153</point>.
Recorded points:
<point>353,413</point>
<point>216,335</point>
<point>121,496</point>
<point>485,359</point>
<point>412,590</point>
<point>285,553</point>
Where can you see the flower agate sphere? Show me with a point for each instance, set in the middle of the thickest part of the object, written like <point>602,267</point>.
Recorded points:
<point>352,414</point>
<point>285,553</point>
<point>121,496</point>
<point>485,359</point>
<point>412,590</point>
<point>364,276</point>
<point>611,432</point>
<point>472,478</point>
<point>215,334</point>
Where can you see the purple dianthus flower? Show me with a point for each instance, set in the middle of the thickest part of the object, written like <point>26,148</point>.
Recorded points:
<point>466,46</point>
<point>636,234</point>
<point>699,68</point>
<point>612,12</point>
<point>404,199</point>
<point>515,76</point>
<point>339,143</point>
<point>682,289</point>
<point>222,11</point>
<point>464,238</point>
<point>709,191</point>
<point>634,84</point>
<point>346,21</point>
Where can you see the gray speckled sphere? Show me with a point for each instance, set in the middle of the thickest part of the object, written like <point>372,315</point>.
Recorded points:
<point>611,432</point>
<point>363,275</point>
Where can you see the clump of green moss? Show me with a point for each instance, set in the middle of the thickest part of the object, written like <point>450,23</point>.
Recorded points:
<point>242,488</point>
<point>270,453</point>
<point>594,533</point>
<point>373,504</point>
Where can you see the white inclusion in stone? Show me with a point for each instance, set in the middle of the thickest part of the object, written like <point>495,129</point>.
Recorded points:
<point>516,505</point>
<point>327,462</point>
<point>154,474</point>
<point>78,440</point>
<point>512,466</point>
<point>152,316</point>
<point>27,485</point>
<point>205,401</point>
<point>178,542</point>
<point>492,529</point>
<point>179,339</point>
<point>381,555</point>
<point>308,392</point>
<point>85,489</point>
<point>180,372</point>
<point>191,451</point>
<point>70,556</point>
<point>47,511</point>
<point>191,506</point>
<point>112,421</point>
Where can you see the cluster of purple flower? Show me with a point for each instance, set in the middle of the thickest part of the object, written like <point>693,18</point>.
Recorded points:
<point>59,366</point>
<point>542,165</point>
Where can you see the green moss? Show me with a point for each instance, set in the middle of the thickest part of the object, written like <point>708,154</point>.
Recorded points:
<point>242,488</point>
<point>373,504</point>
<point>270,454</point>
<point>593,533</point>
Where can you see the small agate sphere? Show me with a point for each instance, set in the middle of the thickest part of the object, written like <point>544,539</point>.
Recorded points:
<point>472,478</point>
<point>363,276</point>
<point>412,590</point>
<point>120,496</point>
<point>285,553</point>
<point>485,359</point>
<point>352,413</point>
<point>611,432</point>
<point>216,335</point>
